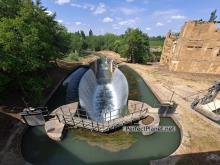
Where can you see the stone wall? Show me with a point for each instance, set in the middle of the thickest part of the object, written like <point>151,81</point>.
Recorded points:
<point>196,49</point>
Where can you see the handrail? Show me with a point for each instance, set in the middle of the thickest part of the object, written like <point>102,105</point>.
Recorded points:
<point>71,119</point>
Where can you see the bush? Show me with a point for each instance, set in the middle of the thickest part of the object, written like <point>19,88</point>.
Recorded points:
<point>34,87</point>
<point>29,39</point>
<point>73,56</point>
<point>4,81</point>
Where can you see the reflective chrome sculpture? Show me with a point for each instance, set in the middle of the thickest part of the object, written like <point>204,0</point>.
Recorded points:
<point>103,91</point>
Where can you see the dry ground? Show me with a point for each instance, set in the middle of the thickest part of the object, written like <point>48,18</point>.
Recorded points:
<point>200,135</point>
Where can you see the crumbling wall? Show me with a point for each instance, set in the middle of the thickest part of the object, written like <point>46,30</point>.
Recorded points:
<point>196,50</point>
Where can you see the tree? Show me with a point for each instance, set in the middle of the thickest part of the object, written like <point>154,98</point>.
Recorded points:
<point>138,45</point>
<point>213,16</point>
<point>83,34</point>
<point>29,39</point>
<point>120,46</point>
<point>76,42</point>
<point>90,33</point>
<point>108,41</point>
<point>9,8</point>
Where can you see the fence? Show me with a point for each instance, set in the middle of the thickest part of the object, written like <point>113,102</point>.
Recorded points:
<point>110,121</point>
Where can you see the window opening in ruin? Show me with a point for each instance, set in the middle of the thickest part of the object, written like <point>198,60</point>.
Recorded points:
<point>218,54</point>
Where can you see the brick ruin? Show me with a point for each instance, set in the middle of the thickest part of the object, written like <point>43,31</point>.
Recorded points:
<point>196,49</point>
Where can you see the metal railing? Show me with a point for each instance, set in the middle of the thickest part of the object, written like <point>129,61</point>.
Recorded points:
<point>82,119</point>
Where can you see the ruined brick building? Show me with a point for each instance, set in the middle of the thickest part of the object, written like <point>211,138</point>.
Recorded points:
<point>196,49</point>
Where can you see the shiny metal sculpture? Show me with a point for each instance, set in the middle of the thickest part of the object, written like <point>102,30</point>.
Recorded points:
<point>103,91</point>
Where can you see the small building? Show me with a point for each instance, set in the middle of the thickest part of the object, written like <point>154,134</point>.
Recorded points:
<point>195,49</point>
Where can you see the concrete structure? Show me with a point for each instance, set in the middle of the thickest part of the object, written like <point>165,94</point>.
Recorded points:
<point>54,129</point>
<point>209,108</point>
<point>151,127</point>
<point>103,90</point>
<point>196,49</point>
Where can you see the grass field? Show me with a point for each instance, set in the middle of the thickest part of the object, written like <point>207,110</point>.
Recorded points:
<point>155,43</point>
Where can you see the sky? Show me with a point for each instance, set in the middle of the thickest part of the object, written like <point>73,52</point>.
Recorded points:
<point>154,17</point>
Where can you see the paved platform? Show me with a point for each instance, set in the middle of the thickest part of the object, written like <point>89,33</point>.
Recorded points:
<point>54,129</point>
<point>207,109</point>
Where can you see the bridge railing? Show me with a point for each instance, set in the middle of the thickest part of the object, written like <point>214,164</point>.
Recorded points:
<point>110,120</point>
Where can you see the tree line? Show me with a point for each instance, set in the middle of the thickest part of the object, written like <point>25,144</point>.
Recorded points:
<point>30,38</point>
<point>133,44</point>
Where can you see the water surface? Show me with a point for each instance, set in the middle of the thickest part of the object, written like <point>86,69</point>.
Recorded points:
<point>38,149</point>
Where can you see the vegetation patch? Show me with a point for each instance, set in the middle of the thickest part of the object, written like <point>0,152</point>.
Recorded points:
<point>112,142</point>
<point>72,56</point>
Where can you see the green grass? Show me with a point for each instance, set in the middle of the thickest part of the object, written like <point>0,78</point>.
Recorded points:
<point>84,53</point>
<point>155,43</point>
<point>73,56</point>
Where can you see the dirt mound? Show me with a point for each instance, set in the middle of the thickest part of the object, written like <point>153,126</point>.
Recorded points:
<point>69,65</point>
<point>112,55</point>
<point>88,59</point>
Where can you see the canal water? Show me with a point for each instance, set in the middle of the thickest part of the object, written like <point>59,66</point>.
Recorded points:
<point>138,89</point>
<point>79,148</point>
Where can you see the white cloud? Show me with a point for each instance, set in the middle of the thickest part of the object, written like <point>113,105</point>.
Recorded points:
<point>159,24</point>
<point>76,5</point>
<point>165,12</point>
<point>126,23</point>
<point>107,20</point>
<point>148,28</point>
<point>129,22</point>
<point>83,6</point>
<point>178,17</point>
<point>130,11</point>
<point>60,20</point>
<point>78,23</point>
<point>49,12</point>
<point>89,6</point>
<point>172,14</point>
<point>168,16</point>
<point>101,8</point>
<point>116,26</point>
<point>60,2</point>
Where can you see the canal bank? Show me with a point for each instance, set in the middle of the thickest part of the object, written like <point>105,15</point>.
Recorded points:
<point>199,134</point>
<point>12,130</point>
